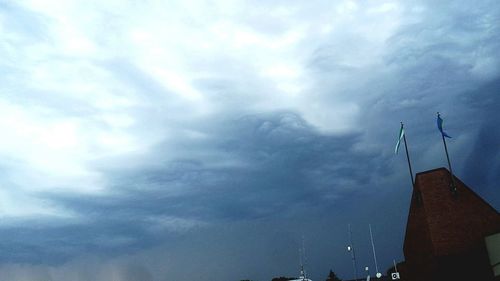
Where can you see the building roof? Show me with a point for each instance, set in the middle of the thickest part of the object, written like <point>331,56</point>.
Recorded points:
<point>441,222</point>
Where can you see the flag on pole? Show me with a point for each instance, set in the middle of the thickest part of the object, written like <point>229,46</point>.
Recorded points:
<point>401,135</point>
<point>440,126</point>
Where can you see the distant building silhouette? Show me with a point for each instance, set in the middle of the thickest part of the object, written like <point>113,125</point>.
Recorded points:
<point>445,232</point>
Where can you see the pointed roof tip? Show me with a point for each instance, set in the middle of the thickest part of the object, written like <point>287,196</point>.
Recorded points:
<point>459,183</point>
<point>431,171</point>
<point>475,213</point>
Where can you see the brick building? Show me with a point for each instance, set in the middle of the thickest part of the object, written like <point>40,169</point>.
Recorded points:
<point>446,230</point>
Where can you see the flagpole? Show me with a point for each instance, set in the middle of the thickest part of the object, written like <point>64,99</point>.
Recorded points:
<point>452,184</point>
<point>408,157</point>
<point>378,274</point>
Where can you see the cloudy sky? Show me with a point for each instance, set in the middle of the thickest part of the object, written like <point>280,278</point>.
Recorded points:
<point>171,140</point>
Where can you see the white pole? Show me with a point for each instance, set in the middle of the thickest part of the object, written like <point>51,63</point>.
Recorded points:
<point>374,255</point>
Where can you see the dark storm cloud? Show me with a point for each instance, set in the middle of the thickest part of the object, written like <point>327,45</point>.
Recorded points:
<point>484,102</point>
<point>287,168</point>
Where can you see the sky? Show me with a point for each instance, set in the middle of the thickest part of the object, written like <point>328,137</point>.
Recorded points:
<point>189,140</point>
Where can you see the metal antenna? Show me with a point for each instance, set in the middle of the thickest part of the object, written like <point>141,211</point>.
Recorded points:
<point>305,258</point>
<point>374,255</point>
<point>350,248</point>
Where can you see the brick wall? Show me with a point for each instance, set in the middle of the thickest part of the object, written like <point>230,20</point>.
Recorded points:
<point>447,230</point>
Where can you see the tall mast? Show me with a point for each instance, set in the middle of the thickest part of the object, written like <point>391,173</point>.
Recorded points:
<point>303,272</point>
<point>350,248</point>
<point>374,255</point>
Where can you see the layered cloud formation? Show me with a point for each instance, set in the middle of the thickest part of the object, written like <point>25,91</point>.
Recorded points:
<point>170,141</point>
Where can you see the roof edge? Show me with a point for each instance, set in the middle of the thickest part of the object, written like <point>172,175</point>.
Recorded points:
<point>430,171</point>
<point>458,179</point>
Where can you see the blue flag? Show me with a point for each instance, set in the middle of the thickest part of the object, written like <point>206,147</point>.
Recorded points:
<point>440,126</point>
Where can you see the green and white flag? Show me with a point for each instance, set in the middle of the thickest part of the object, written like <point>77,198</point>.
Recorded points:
<point>401,135</point>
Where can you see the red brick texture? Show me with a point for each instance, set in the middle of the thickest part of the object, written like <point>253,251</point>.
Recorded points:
<point>445,230</point>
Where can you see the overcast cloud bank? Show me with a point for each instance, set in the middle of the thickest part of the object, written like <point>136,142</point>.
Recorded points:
<point>160,141</point>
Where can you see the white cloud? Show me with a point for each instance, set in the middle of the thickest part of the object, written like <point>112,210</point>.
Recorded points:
<point>159,224</point>
<point>175,44</point>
